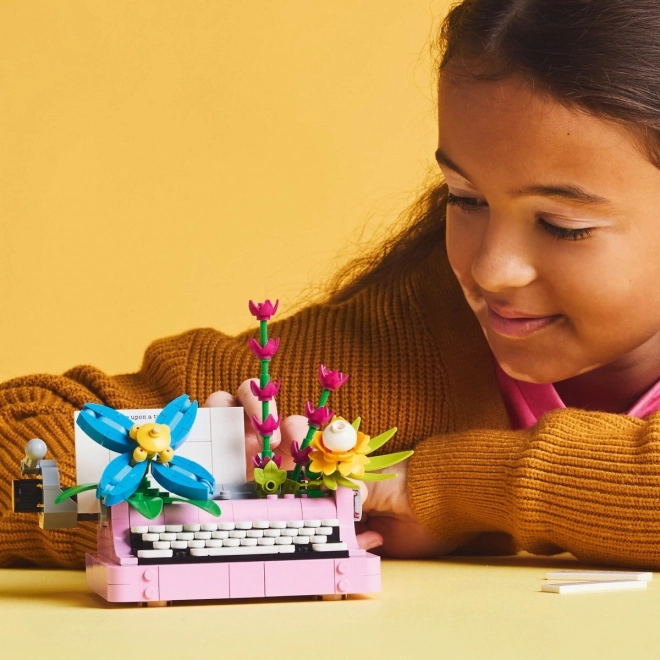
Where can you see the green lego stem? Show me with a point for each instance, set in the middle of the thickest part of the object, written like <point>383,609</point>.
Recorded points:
<point>264,378</point>
<point>311,430</point>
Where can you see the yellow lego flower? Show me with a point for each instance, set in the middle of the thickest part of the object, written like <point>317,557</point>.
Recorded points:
<point>339,447</point>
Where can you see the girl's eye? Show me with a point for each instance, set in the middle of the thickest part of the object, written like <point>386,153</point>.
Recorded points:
<point>465,203</point>
<point>561,233</point>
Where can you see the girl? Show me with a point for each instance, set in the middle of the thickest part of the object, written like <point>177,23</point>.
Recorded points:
<point>511,332</point>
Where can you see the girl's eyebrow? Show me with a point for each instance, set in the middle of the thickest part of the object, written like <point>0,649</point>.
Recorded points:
<point>564,192</point>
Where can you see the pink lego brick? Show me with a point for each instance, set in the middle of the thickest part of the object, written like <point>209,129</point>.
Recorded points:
<point>284,508</point>
<point>134,518</point>
<point>319,507</point>
<point>313,577</point>
<point>134,583</point>
<point>246,580</point>
<point>194,581</point>
<point>119,511</point>
<point>177,514</point>
<point>250,510</point>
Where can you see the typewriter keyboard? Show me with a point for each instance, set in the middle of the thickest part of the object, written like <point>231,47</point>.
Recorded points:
<point>238,541</point>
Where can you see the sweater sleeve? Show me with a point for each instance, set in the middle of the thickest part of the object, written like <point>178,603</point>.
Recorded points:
<point>579,481</point>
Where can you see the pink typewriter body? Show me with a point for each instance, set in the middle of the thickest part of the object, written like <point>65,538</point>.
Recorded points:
<point>324,561</point>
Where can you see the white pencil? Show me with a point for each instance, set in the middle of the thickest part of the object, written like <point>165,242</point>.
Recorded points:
<point>588,587</point>
<point>601,576</point>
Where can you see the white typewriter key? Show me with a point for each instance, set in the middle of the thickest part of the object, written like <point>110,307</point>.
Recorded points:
<point>254,533</point>
<point>231,543</point>
<point>197,544</point>
<point>209,527</point>
<point>161,545</point>
<point>205,536</point>
<point>300,540</point>
<point>330,522</point>
<point>289,532</point>
<point>272,532</point>
<point>154,554</point>
<point>191,528</point>
<point>266,541</point>
<point>283,540</point>
<point>156,529</point>
<point>295,524</point>
<point>139,529</point>
<point>278,524</point>
<point>312,523</point>
<point>319,539</point>
<point>199,552</point>
<point>150,537</point>
<point>174,528</point>
<point>326,531</point>
<point>185,536</point>
<point>283,549</point>
<point>225,526</point>
<point>220,535</point>
<point>260,524</point>
<point>259,550</point>
<point>328,547</point>
<point>167,536</point>
<point>237,534</point>
<point>244,524</point>
<point>306,531</point>
<point>213,543</point>
<point>179,545</point>
<point>248,542</point>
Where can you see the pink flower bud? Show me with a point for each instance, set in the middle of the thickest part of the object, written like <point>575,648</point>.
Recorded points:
<point>319,416</point>
<point>331,380</point>
<point>266,427</point>
<point>264,352</point>
<point>266,393</point>
<point>261,462</point>
<point>263,311</point>
<point>300,456</point>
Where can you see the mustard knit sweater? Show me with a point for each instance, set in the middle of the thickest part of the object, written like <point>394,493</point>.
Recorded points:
<point>586,482</point>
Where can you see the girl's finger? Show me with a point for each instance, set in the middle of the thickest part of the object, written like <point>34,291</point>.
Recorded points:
<point>292,428</point>
<point>220,400</point>
<point>252,406</point>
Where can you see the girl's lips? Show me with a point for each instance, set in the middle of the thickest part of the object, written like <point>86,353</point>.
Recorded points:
<point>520,327</point>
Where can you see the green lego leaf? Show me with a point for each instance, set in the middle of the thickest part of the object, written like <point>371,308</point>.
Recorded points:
<point>209,506</point>
<point>356,423</point>
<point>329,482</point>
<point>290,486</point>
<point>381,439</point>
<point>74,490</point>
<point>343,481</point>
<point>380,462</point>
<point>376,476</point>
<point>148,507</point>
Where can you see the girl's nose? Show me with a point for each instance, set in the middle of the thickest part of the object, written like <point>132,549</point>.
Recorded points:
<point>503,260</point>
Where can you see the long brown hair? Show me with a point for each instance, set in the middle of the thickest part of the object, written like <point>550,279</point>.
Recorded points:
<point>598,56</point>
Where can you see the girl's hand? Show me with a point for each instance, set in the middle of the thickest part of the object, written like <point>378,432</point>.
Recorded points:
<point>388,521</point>
<point>291,428</point>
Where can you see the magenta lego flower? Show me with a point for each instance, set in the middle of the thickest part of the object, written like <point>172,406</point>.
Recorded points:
<point>266,427</point>
<point>331,380</point>
<point>265,352</point>
<point>318,416</point>
<point>263,311</point>
<point>261,462</point>
<point>300,456</point>
<point>266,393</point>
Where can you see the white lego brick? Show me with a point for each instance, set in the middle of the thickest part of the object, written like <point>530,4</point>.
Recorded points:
<point>589,587</point>
<point>328,547</point>
<point>599,576</point>
<point>228,442</point>
<point>154,554</point>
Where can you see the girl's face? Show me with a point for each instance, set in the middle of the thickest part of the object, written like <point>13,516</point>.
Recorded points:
<point>553,231</point>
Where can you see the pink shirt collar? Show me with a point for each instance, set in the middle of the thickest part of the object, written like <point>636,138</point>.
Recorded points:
<point>526,402</point>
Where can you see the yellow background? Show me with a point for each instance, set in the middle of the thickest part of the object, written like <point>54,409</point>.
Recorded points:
<point>163,162</point>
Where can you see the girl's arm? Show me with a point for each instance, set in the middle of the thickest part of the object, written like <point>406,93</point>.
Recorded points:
<point>583,482</point>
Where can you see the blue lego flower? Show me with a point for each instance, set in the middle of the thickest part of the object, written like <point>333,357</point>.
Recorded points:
<point>146,446</point>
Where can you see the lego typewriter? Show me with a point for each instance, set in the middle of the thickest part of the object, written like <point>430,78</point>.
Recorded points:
<point>177,519</point>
